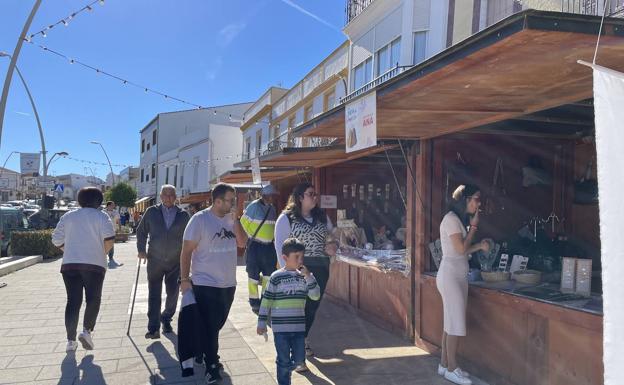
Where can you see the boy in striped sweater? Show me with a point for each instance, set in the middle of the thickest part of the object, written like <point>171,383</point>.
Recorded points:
<point>283,307</point>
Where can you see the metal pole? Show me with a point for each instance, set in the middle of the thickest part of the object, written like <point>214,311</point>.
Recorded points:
<point>109,162</point>
<point>136,285</point>
<point>41,138</point>
<point>16,52</point>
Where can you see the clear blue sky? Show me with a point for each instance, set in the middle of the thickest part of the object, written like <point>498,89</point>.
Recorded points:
<point>205,51</point>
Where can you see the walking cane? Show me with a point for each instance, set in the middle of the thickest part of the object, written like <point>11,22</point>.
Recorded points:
<point>136,284</point>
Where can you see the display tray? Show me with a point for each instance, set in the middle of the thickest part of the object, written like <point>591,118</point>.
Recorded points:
<point>545,292</point>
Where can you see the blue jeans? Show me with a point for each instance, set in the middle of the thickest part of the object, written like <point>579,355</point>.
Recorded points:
<point>290,353</point>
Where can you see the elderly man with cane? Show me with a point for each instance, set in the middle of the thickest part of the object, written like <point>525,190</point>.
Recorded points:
<point>164,224</point>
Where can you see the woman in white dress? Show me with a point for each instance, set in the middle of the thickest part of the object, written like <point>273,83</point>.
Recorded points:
<point>452,278</point>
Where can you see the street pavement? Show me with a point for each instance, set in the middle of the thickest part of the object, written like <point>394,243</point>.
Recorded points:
<point>349,350</point>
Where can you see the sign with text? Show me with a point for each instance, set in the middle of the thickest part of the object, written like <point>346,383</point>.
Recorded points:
<point>255,171</point>
<point>329,201</point>
<point>29,163</point>
<point>361,123</point>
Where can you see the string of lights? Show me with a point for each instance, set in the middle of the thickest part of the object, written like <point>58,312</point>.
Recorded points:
<point>146,89</point>
<point>64,21</point>
<point>164,164</point>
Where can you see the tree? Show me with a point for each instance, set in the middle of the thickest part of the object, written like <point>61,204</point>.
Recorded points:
<point>122,194</point>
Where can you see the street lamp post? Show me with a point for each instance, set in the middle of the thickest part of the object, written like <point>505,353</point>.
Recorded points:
<point>32,103</point>
<point>107,158</point>
<point>16,52</point>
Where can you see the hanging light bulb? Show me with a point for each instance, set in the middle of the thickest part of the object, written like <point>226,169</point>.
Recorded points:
<point>101,2</point>
<point>215,113</point>
<point>43,34</point>
<point>71,61</point>
<point>230,116</point>
<point>89,8</point>
<point>65,23</point>
<point>125,82</point>
<point>146,90</point>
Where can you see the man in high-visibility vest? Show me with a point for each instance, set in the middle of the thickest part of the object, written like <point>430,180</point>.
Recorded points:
<point>258,221</point>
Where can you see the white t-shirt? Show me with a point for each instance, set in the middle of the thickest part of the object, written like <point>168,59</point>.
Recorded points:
<point>82,232</point>
<point>213,263</point>
<point>451,224</point>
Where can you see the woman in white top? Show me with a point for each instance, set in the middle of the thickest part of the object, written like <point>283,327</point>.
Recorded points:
<point>452,278</point>
<point>85,236</point>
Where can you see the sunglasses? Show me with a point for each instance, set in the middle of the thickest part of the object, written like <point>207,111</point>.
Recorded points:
<point>311,194</point>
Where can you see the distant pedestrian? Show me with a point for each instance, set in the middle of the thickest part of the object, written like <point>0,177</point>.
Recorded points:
<point>209,252</point>
<point>193,208</point>
<point>85,236</point>
<point>164,225</point>
<point>283,307</point>
<point>114,216</point>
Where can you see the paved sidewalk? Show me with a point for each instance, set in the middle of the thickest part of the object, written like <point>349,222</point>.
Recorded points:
<point>32,340</point>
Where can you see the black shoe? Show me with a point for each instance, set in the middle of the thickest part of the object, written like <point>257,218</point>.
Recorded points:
<point>199,361</point>
<point>152,335</point>
<point>188,372</point>
<point>212,372</point>
<point>166,327</point>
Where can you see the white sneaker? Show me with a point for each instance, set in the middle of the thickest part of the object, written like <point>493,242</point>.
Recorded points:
<point>301,368</point>
<point>456,377</point>
<point>85,339</point>
<point>71,346</point>
<point>442,370</point>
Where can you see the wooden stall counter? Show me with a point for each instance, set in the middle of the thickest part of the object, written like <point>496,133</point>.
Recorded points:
<point>514,339</point>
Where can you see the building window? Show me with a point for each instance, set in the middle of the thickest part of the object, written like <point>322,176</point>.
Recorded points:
<point>308,112</point>
<point>167,175</point>
<point>175,176</point>
<point>147,176</point>
<point>247,148</point>
<point>329,100</point>
<point>182,176</point>
<point>142,175</point>
<point>148,146</point>
<point>291,122</point>
<point>195,171</point>
<point>259,142</point>
<point>275,131</point>
<point>154,137</point>
<point>153,170</point>
<point>420,46</point>
<point>362,73</point>
<point>388,57</point>
<point>142,146</point>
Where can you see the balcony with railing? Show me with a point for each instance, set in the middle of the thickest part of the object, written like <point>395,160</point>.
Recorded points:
<point>286,140</point>
<point>354,7</point>
<point>391,73</point>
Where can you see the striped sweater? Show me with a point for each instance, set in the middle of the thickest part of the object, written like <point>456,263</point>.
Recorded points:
<point>284,299</point>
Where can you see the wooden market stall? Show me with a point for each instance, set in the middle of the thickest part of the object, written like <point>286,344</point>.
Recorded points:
<point>511,95</point>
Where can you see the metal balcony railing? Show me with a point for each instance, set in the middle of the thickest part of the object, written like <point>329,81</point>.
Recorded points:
<point>593,7</point>
<point>287,141</point>
<point>354,8</point>
<point>394,71</point>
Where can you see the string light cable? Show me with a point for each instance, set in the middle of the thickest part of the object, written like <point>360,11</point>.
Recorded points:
<point>64,21</point>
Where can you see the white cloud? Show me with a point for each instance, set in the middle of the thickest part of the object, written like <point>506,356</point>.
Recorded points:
<point>310,14</point>
<point>228,33</point>
<point>213,70</point>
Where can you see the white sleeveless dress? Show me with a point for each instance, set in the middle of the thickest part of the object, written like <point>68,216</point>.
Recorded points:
<point>452,278</point>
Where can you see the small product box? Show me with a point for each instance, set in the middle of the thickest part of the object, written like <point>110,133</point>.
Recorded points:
<point>583,277</point>
<point>568,275</point>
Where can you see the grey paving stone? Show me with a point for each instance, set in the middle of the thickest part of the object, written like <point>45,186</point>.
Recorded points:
<point>10,341</point>
<point>25,349</point>
<point>19,374</point>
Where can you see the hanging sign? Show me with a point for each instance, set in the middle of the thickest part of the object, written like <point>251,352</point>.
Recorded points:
<point>361,123</point>
<point>255,171</point>
<point>29,164</point>
<point>329,201</point>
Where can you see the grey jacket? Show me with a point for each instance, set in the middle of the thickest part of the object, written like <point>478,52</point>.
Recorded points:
<point>164,245</point>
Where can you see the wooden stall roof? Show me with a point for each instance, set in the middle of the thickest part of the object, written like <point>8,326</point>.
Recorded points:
<point>314,157</point>
<point>196,198</point>
<point>268,174</point>
<point>523,64</point>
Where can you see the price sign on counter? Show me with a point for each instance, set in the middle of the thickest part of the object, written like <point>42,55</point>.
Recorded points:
<point>329,201</point>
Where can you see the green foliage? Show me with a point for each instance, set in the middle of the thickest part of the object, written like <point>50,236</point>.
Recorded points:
<point>122,194</point>
<point>37,242</point>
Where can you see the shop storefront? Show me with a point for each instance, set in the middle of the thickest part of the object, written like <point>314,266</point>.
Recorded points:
<point>510,110</point>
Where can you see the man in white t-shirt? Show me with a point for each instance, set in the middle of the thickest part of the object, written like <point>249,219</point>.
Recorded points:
<point>209,253</point>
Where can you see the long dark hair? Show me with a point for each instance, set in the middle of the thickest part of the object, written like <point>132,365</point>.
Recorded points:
<point>293,208</point>
<point>459,200</point>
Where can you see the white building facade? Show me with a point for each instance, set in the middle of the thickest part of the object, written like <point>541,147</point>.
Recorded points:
<point>188,149</point>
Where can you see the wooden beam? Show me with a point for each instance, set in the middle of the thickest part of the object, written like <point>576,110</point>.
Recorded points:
<point>549,119</point>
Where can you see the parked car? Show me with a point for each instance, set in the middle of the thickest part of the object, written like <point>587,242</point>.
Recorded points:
<point>11,219</point>
<point>37,222</point>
